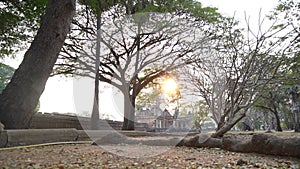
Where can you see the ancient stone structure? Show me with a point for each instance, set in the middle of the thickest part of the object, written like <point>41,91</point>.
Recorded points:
<point>159,120</point>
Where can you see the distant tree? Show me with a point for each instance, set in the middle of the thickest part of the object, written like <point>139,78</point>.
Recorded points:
<point>149,96</point>
<point>6,72</point>
<point>255,119</point>
<point>295,98</point>
<point>280,95</point>
<point>291,83</point>
<point>271,100</point>
<point>288,15</point>
<point>200,112</point>
<point>20,97</point>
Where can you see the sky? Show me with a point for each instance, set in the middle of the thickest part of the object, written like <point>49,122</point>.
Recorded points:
<point>252,7</point>
<point>64,95</point>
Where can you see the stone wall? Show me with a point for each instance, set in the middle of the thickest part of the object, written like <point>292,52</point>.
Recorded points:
<point>55,120</point>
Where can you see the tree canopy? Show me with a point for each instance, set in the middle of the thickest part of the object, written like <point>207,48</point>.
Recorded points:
<point>19,23</point>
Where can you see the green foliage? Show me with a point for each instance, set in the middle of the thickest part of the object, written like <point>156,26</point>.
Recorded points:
<point>200,112</point>
<point>192,7</point>
<point>289,9</point>
<point>19,22</point>
<point>293,66</point>
<point>152,93</point>
<point>146,98</point>
<point>277,95</point>
<point>287,15</point>
<point>6,73</point>
<point>99,6</point>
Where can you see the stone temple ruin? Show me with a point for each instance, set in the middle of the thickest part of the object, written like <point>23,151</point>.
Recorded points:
<point>163,120</point>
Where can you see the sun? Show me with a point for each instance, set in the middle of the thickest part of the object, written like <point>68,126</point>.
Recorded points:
<point>169,86</point>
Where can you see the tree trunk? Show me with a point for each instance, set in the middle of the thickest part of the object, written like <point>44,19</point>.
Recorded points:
<point>278,126</point>
<point>296,109</point>
<point>290,121</point>
<point>221,122</point>
<point>129,112</point>
<point>219,133</point>
<point>21,96</point>
<point>129,99</point>
<point>95,113</point>
<point>275,112</point>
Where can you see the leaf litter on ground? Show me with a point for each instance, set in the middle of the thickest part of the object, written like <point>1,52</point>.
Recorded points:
<point>90,156</point>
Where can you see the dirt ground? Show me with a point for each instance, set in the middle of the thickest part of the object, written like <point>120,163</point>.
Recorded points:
<point>117,156</point>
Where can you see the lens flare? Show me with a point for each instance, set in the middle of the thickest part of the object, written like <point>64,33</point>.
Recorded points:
<point>169,86</point>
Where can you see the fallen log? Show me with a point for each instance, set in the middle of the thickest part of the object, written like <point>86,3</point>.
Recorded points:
<point>276,145</point>
<point>201,140</point>
<point>264,143</point>
<point>238,143</point>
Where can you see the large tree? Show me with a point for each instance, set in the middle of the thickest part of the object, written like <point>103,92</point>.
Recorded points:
<point>149,42</point>
<point>97,7</point>
<point>20,97</point>
<point>127,48</point>
<point>236,69</point>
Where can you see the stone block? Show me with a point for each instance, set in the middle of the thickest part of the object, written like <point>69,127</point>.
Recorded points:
<point>39,136</point>
<point>83,136</point>
<point>3,139</point>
